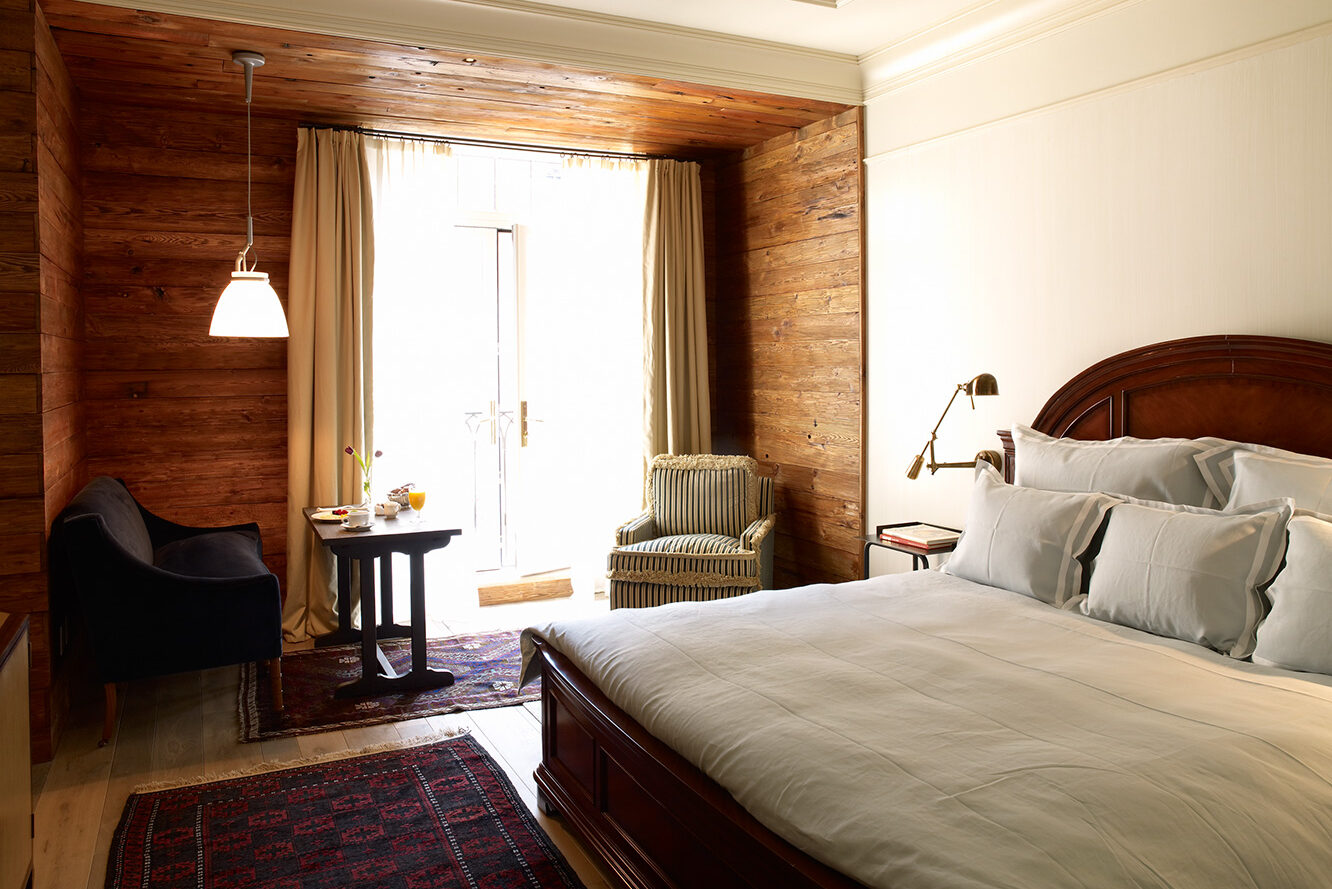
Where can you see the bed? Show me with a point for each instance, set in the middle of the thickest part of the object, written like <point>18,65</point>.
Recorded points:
<point>979,736</point>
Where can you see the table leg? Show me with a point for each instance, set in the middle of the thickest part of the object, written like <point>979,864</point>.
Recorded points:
<point>377,674</point>
<point>345,633</point>
<point>418,615</point>
<point>864,560</point>
<point>388,629</point>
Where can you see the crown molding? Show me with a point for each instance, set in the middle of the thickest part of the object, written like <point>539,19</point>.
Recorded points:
<point>557,35</point>
<point>982,31</point>
<point>1143,43</point>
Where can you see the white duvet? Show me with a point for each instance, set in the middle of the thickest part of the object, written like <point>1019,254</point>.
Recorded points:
<point>919,730</point>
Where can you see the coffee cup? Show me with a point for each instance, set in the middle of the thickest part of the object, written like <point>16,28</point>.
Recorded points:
<point>357,518</point>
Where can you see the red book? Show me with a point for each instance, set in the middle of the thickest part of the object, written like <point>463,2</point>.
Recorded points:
<point>920,536</point>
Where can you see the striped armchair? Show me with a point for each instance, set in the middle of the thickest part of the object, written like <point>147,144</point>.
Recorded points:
<point>706,534</point>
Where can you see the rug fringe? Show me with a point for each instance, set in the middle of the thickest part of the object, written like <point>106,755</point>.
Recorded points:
<point>333,756</point>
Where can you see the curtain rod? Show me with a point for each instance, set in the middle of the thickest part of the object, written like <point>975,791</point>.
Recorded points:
<point>487,143</point>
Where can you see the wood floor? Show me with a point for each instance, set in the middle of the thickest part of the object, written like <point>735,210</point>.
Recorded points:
<point>183,726</point>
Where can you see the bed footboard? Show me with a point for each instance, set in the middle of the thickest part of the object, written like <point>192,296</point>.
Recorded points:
<point>655,820</point>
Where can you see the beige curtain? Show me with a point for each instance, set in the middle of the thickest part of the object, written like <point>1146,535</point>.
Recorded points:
<point>676,406</point>
<point>328,359</point>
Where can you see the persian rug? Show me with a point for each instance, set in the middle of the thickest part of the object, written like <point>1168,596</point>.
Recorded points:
<point>485,668</point>
<point>442,815</point>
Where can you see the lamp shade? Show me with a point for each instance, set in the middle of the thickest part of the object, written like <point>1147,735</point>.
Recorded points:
<point>248,307</point>
<point>982,384</point>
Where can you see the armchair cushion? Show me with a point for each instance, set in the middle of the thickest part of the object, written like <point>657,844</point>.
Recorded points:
<point>215,554</point>
<point>703,494</point>
<point>688,559</point>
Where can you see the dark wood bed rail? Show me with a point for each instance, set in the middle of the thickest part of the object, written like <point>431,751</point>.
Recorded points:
<point>656,821</point>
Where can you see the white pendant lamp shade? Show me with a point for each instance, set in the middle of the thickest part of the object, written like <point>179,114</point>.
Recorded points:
<point>248,307</point>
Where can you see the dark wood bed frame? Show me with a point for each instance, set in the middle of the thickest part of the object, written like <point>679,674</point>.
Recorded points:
<point>658,822</point>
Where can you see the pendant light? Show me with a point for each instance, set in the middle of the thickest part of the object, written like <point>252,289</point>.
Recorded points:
<point>248,306</point>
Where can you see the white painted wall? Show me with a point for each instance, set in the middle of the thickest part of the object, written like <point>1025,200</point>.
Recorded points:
<point>1029,233</point>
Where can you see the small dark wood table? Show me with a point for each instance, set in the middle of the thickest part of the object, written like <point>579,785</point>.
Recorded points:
<point>386,537</point>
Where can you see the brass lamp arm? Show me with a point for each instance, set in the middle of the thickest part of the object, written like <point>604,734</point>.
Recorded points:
<point>984,384</point>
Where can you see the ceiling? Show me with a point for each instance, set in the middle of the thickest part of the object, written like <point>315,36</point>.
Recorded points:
<point>857,27</point>
<point>151,59</point>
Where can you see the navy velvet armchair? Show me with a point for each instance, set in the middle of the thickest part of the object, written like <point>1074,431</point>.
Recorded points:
<point>158,597</point>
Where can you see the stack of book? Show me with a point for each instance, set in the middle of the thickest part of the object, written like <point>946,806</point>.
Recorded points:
<point>920,536</point>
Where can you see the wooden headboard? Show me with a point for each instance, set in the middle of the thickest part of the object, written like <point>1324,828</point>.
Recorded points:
<point>1268,390</point>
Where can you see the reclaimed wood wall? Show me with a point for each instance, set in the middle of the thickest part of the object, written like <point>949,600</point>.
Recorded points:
<point>41,424</point>
<point>787,337</point>
<point>64,443</point>
<point>22,561</point>
<point>115,243</point>
<point>196,426</point>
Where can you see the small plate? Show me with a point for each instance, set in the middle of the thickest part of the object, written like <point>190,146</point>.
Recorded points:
<point>347,527</point>
<point>326,515</point>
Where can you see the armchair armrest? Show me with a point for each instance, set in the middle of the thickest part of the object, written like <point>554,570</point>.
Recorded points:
<point>636,530</point>
<point>752,537</point>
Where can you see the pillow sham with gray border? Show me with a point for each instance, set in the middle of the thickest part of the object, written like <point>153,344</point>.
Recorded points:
<point>1217,463</point>
<point>1026,540</point>
<point>1260,477</point>
<point>1297,634</point>
<point>1188,572</point>
<point>1150,468</point>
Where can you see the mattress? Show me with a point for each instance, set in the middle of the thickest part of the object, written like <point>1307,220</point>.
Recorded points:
<point>920,730</point>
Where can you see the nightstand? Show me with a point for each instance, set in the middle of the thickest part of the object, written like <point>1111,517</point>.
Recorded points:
<point>920,558</point>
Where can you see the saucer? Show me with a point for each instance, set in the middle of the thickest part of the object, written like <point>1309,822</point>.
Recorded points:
<point>347,527</point>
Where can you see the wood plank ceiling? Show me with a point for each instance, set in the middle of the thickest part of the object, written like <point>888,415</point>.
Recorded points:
<point>159,60</point>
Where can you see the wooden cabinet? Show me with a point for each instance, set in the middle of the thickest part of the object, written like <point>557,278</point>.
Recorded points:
<point>15,755</point>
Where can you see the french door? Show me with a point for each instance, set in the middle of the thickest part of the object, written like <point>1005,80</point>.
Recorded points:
<point>507,367</point>
<point>515,442</point>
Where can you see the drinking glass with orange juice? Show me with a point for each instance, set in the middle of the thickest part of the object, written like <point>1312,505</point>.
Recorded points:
<point>416,500</point>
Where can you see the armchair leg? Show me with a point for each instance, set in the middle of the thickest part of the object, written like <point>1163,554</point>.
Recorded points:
<point>108,713</point>
<point>275,682</point>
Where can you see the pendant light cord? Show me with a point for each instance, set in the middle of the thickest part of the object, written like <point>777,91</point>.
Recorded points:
<point>249,183</point>
<point>249,61</point>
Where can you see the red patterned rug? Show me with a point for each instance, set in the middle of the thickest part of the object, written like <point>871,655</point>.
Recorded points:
<point>441,816</point>
<point>485,667</point>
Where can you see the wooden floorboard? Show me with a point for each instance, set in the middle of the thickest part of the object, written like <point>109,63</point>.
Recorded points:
<point>186,726</point>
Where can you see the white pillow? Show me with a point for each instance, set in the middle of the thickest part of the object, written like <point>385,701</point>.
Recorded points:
<point>1297,634</point>
<point>1187,572</point>
<point>1026,540</point>
<point>1258,477</point>
<point>1217,463</point>
<point>1153,469</point>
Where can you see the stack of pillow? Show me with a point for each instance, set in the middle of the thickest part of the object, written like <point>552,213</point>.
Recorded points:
<point>1220,543</point>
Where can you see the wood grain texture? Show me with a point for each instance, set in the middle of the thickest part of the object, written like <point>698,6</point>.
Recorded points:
<point>122,56</point>
<point>196,426</point>
<point>786,337</point>
<point>60,324</point>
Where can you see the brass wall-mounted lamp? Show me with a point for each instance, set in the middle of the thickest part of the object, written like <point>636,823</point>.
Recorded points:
<point>982,384</point>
